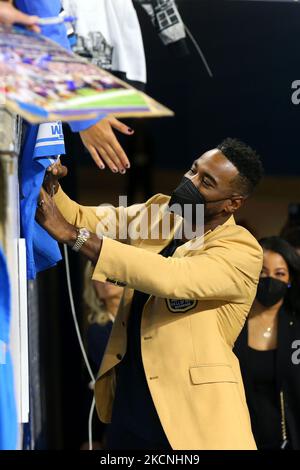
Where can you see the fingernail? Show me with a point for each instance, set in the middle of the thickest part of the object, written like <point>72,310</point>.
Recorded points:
<point>127,165</point>
<point>102,167</point>
<point>123,172</point>
<point>130,130</point>
<point>115,170</point>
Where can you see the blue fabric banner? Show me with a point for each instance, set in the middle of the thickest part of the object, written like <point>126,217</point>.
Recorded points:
<point>8,413</point>
<point>42,250</point>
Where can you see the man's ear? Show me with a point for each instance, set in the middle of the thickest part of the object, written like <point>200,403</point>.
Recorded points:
<point>234,204</point>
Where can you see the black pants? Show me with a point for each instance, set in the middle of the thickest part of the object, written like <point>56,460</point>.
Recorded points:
<point>119,438</point>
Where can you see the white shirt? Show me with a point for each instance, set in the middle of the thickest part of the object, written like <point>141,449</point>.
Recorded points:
<point>117,21</point>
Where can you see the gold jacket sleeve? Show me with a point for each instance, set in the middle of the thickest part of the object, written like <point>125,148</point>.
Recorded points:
<point>102,220</point>
<point>219,271</point>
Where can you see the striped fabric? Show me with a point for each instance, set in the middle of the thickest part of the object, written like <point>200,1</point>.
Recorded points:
<point>50,140</point>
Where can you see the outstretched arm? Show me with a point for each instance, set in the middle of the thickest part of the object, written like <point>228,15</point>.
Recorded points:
<point>215,273</point>
<point>10,15</point>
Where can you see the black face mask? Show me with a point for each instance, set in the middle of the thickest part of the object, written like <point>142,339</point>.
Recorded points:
<point>270,291</point>
<point>187,193</point>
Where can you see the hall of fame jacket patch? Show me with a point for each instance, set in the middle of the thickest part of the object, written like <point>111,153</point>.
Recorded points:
<point>180,306</point>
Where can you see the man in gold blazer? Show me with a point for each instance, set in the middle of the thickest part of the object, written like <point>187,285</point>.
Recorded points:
<point>169,378</point>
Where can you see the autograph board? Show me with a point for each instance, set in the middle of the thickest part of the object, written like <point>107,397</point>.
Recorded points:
<point>42,82</point>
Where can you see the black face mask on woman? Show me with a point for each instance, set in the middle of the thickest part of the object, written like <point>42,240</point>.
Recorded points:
<point>187,193</point>
<point>270,291</point>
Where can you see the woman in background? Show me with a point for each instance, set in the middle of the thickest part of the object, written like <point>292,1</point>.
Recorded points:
<point>268,349</point>
<point>102,301</point>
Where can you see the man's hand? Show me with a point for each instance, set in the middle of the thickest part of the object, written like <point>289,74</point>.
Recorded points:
<point>49,217</point>
<point>10,15</point>
<point>103,145</point>
<point>54,172</point>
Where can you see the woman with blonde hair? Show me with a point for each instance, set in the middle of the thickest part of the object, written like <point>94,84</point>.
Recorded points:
<point>102,301</point>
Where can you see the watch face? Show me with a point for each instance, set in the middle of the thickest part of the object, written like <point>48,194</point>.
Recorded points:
<point>84,232</point>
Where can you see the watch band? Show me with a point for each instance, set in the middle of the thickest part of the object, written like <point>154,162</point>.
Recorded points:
<point>82,237</point>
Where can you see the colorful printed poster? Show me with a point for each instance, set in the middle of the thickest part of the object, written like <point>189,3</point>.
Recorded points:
<point>43,82</point>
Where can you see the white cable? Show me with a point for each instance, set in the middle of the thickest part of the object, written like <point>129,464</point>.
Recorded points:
<point>198,49</point>
<point>90,431</point>
<point>74,315</point>
<point>91,424</point>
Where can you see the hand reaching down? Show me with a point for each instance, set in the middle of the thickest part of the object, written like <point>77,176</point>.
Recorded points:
<point>103,145</point>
